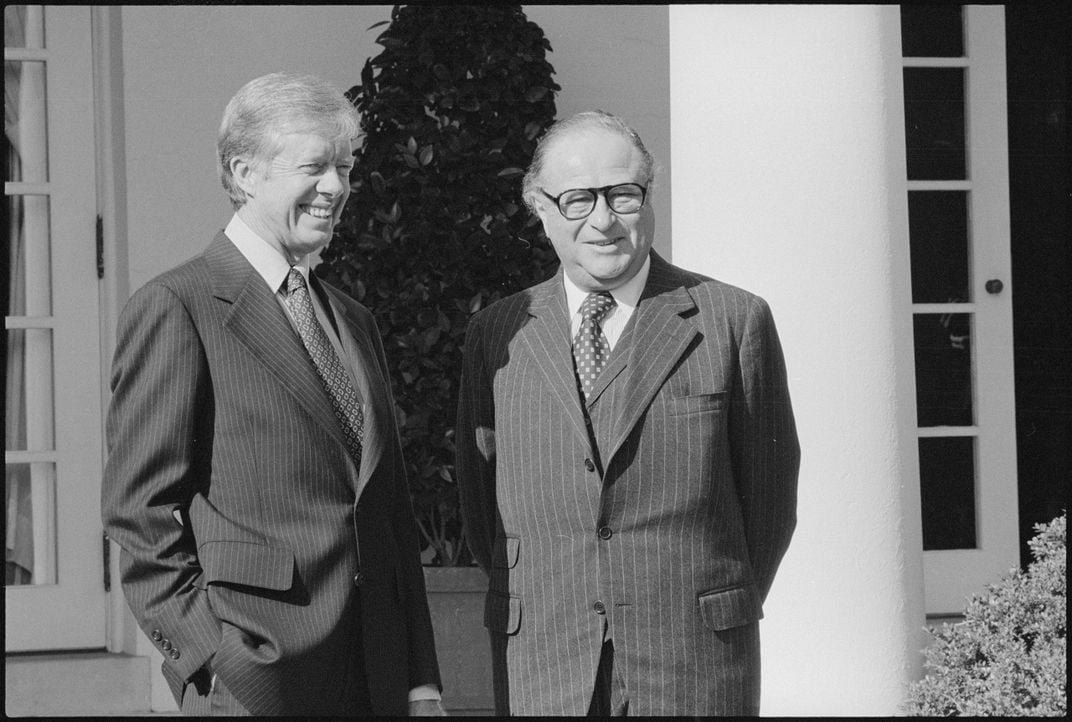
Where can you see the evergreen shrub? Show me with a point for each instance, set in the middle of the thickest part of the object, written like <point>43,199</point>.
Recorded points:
<point>435,228</point>
<point>1008,656</point>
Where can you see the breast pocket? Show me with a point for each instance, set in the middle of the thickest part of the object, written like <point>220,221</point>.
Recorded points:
<point>697,403</point>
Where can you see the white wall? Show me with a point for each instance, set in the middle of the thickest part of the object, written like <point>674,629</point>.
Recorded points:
<point>788,160</point>
<point>181,64</point>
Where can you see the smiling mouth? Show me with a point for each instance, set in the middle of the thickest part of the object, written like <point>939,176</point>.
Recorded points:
<point>603,243</point>
<point>321,213</point>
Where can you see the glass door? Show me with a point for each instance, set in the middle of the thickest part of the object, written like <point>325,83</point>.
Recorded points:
<point>53,574</point>
<point>958,205</point>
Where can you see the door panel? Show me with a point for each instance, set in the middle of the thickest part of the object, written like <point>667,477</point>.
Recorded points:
<point>54,593</point>
<point>955,129</point>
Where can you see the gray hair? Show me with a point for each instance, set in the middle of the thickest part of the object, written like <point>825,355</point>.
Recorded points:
<point>589,119</point>
<point>268,107</point>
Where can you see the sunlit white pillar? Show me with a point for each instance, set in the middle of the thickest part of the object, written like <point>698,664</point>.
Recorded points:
<point>789,180</point>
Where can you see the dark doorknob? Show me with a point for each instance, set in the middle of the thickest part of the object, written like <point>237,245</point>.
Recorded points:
<point>994,286</point>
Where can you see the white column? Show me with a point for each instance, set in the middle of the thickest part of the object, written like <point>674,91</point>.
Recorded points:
<point>789,180</point>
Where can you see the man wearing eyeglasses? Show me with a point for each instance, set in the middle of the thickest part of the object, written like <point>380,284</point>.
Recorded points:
<point>627,457</point>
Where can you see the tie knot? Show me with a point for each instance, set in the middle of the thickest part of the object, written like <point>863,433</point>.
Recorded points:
<point>295,281</point>
<point>596,305</point>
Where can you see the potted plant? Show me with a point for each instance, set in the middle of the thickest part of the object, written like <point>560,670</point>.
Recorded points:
<point>435,229</point>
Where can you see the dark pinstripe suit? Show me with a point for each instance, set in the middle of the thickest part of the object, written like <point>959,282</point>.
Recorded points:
<point>692,480</point>
<point>288,556</point>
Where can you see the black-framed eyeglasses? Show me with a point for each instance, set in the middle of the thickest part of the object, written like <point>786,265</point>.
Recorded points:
<point>578,203</point>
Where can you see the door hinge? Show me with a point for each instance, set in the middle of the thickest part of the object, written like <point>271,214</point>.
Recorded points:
<point>106,555</point>
<point>100,247</point>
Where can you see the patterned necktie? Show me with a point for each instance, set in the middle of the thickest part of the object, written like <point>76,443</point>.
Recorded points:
<point>344,399</point>
<point>590,347</point>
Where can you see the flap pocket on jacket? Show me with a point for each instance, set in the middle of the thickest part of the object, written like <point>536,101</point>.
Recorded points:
<point>505,552</point>
<point>698,403</point>
<point>728,608</point>
<point>502,613</point>
<point>249,563</point>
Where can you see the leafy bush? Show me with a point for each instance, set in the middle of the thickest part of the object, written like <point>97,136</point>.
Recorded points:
<point>1008,655</point>
<point>435,228</point>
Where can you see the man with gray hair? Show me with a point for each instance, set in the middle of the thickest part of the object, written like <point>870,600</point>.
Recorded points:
<point>255,480</point>
<point>626,455</point>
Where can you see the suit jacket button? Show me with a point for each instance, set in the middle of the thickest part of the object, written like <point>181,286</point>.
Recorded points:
<point>166,645</point>
<point>589,464</point>
<point>359,579</point>
<point>156,635</point>
<point>605,533</point>
<point>174,654</point>
<point>600,608</point>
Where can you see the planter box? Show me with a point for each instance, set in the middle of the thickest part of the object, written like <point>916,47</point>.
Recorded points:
<point>456,601</point>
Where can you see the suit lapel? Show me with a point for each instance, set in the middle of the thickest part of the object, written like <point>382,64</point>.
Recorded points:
<point>659,338</point>
<point>547,337</point>
<point>259,323</point>
<point>370,385</point>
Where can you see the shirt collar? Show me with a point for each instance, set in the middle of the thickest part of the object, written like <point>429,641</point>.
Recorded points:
<point>627,295</point>
<point>266,260</point>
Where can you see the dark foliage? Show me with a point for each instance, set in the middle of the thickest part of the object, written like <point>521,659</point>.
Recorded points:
<point>435,228</point>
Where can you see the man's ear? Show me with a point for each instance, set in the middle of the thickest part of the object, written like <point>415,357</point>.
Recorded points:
<point>245,174</point>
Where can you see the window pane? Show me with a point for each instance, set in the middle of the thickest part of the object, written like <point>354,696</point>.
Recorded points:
<point>24,26</point>
<point>28,256</point>
<point>932,31</point>
<point>30,550</point>
<point>938,237</point>
<point>947,488</point>
<point>934,123</point>
<point>26,156</point>
<point>28,408</point>
<point>943,369</point>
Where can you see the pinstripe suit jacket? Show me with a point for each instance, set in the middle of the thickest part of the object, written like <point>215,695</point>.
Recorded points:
<point>666,519</point>
<point>247,530</point>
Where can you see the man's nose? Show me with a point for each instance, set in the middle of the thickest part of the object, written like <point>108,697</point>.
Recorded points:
<point>330,183</point>
<point>601,216</point>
